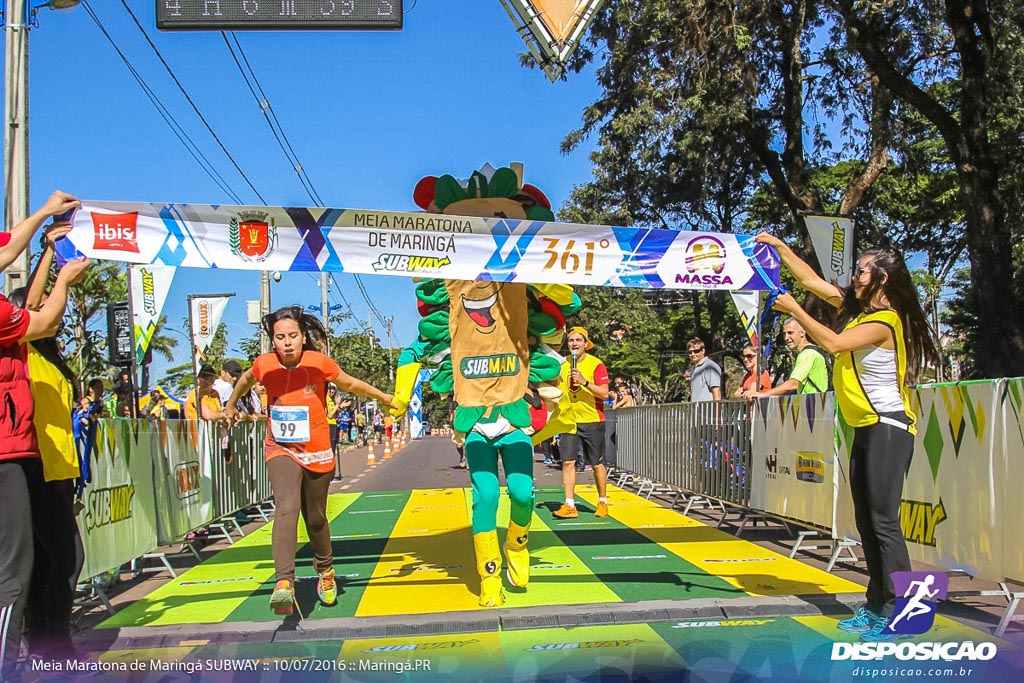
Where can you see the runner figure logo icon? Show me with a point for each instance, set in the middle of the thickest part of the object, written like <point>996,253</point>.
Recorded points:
<point>914,613</point>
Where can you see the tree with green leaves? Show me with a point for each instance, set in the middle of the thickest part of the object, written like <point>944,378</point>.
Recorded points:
<point>975,45</point>
<point>84,335</point>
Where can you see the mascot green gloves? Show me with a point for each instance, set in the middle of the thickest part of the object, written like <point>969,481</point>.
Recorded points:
<point>489,343</point>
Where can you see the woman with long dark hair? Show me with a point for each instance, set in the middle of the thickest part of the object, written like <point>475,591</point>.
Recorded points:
<point>300,461</point>
<point>880,352</point>
<point>59,553</point>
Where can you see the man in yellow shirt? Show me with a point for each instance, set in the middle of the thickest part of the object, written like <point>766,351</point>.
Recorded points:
<point>586,378</point>
<point>208,406</point>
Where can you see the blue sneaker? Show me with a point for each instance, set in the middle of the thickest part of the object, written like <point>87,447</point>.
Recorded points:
<point>548,461</point>
<point>863,620</point>
<point>881,633</point>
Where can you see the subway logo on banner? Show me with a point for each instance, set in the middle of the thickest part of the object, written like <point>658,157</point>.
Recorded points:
<point>115,231</point>
<point>498,365</point>
<point>919,520</point>
<point>109,506</point>
<point>187,479</point>
<point>411,264</point>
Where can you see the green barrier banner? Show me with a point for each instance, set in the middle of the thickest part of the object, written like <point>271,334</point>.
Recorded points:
<point>155,481</point>
<point>118,520</point>
<point>184,495</point>
<point>235,464</point>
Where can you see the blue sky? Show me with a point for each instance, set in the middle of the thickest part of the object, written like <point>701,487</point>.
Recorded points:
<point>367,113</point>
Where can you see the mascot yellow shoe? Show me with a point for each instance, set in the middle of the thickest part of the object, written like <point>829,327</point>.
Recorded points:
<point>488,565</point>
<point>517,554</point>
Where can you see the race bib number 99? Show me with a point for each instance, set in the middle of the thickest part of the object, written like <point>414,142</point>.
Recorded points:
<point>289,424</point>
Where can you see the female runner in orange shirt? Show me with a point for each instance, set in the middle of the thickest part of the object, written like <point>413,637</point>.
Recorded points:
<point>299,458</point>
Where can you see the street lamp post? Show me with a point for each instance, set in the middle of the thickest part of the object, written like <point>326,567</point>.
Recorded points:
<point>16,128</point>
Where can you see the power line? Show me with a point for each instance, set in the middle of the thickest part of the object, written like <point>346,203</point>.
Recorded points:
<point>263,102</point>
<point>193,104</point>
<point>176,128</point>
<point>282,140</point>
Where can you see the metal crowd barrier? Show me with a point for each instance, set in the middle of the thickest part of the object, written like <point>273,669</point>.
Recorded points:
<point>700,448</point>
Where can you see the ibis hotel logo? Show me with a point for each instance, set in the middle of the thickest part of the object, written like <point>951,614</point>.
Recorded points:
<point>705,260</point>
<point>251,236</point>
<point>115,231</point>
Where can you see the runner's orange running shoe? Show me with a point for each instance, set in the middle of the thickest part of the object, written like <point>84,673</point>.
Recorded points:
<point>566,512</point>
<point>602,509</point>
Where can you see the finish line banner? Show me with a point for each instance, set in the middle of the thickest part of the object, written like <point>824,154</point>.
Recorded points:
<point>420,245</point>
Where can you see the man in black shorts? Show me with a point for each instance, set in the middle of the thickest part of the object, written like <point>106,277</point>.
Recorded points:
<point>586,379</point>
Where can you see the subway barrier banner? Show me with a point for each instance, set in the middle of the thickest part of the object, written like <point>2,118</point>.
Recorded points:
<point>1010,402</point>
<point>959,504</point>
<point>118,521</point>
<point>148,285</point>
<point>420,245</point>
<point>155,482</point>
<point>793,460</point>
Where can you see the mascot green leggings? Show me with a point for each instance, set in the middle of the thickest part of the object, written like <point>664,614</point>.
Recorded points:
<point>516,451</point>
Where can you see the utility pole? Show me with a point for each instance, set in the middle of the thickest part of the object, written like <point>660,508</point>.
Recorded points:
<point>264,310</point>
<point>391,360</point>
<point>325,307</point>
<point>16,134</point>
<point>369,327</point>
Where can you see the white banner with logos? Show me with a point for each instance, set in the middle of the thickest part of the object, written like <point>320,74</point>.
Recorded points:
<point>205,312</point>
<point>832,238</point>
<point>420,245</point>
<point>149,286</point>
<point>793,462</point>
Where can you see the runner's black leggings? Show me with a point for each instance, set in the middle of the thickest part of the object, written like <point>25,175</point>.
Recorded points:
<point>59,556</point>
<point>298,489</point>
<point>878,465</point>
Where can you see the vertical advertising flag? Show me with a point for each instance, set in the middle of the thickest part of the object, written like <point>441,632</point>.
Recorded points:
<point>832,238</point>
<point>748,303</point>
<point>205,312</point>
<point>416,405</point>
<point>149,285</point>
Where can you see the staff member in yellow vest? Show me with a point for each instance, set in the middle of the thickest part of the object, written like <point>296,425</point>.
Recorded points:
<point>587,379</point>
<point>878,354</point>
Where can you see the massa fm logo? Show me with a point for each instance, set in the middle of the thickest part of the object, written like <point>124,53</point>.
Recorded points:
<point>705,260</point>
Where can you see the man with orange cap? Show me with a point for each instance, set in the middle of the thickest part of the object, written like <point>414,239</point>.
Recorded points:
<point>587,379</point>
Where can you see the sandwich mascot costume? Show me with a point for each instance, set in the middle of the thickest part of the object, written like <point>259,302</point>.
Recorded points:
<point>490,343</point>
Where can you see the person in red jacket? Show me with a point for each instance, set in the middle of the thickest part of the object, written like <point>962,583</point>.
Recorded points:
<point>20,465</point>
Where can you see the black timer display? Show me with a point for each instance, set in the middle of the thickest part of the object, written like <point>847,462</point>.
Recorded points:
<point>278,15</point>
